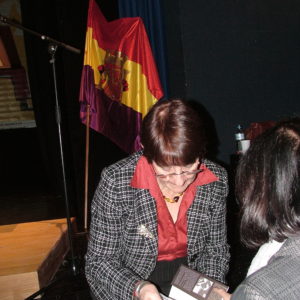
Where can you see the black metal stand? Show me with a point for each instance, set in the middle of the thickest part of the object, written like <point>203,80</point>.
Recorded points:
<point>52,50</point>
<point>52,47</point>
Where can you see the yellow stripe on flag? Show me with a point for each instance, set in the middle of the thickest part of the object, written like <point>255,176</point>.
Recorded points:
<point>138,97</point>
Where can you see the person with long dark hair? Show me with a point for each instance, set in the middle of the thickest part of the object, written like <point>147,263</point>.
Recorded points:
<point>268,189</point>
<point>157,209</point>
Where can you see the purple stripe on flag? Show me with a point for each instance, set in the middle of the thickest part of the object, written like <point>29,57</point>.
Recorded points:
<point>114,120</point>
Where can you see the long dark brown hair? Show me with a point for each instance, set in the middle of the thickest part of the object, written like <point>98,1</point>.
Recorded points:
<point>173,133</point>
<point>267,185</point>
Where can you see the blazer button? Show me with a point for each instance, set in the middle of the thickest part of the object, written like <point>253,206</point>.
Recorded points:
<point>193,258</point>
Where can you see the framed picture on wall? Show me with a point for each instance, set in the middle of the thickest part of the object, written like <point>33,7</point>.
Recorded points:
<point>16,109</point>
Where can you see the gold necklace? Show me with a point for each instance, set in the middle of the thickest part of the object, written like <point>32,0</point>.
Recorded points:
<point>173,200</point>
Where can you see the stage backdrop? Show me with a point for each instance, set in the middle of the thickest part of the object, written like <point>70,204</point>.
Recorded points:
<point>15,99</point>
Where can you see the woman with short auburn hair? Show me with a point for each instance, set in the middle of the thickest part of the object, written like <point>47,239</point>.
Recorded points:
<point>177,134</point>
<point>157,209</point>
<point>268,189</point>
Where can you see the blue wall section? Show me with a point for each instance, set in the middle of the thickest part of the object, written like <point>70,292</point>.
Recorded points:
<point>241,61</point>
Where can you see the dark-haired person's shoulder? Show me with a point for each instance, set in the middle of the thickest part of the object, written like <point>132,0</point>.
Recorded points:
<point>246,292</point>
<point>279,279</point>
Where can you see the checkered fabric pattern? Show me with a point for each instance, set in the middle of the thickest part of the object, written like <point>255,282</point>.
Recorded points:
<point>279,280</point>
<point>122,246</point>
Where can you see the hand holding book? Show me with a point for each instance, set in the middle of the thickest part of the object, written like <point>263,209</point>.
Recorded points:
<point>189,284</point>
<point>223,294</point>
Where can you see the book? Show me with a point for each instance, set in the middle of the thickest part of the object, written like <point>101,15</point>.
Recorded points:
<point>189,284</point>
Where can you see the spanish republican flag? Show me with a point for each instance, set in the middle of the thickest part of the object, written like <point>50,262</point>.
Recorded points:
<point>119,79</point>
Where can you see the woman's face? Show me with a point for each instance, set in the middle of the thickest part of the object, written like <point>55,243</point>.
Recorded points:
<point>176,178</point>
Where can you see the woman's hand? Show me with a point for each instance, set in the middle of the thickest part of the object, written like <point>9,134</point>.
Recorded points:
<point>223,294</point>
<point>149,292</point>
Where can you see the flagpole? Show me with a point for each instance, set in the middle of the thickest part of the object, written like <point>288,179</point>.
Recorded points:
<point>86,177</point>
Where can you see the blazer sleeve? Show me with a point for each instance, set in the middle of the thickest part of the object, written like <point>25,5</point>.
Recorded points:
<point>104,269</point>
<point>214,259</point>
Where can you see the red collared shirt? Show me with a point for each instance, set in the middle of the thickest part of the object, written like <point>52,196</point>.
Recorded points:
<point>172,237</point>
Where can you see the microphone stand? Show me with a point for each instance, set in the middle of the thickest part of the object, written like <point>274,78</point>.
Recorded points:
<point>52,47</point>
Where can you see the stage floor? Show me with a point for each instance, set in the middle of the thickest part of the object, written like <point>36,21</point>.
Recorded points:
<point>30,255</point>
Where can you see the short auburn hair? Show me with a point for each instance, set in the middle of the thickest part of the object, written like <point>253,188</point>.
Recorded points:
<point>173,133</point>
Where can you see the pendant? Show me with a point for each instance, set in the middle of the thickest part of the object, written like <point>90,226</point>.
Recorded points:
<point>173,200</point>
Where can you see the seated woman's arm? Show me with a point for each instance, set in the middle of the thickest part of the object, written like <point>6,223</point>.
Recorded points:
<point>104,268</point>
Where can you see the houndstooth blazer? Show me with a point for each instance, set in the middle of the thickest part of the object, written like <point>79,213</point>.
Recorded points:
<point>279,280</point>
<point>123,241</point>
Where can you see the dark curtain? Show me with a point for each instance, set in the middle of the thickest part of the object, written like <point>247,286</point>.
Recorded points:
<point>41,18</point>
<point>151,13</point>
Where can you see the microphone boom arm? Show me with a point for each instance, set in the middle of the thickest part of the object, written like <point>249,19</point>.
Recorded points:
<point>43,37</point>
